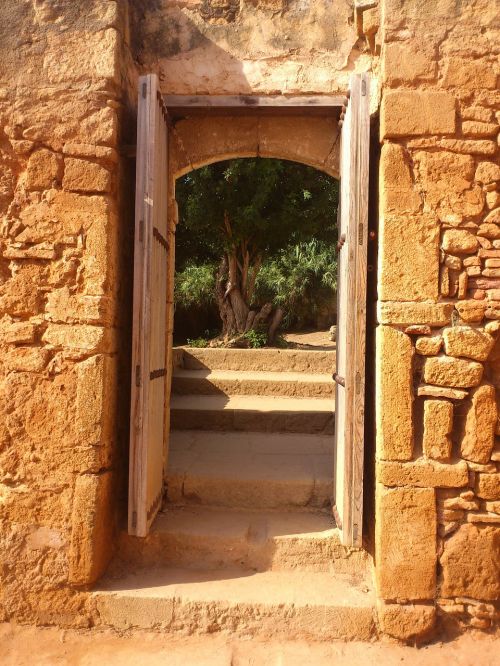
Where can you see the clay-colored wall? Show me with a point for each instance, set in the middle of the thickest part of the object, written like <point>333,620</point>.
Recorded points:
<point>438,450</point>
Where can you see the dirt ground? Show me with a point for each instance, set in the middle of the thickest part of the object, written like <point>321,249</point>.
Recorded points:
<point>314,340</point>
<point>32,646</point>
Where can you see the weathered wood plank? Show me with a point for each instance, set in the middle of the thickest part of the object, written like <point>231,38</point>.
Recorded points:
<point>251,101</point>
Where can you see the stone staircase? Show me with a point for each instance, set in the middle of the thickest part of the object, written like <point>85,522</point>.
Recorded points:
<point>245,542</point>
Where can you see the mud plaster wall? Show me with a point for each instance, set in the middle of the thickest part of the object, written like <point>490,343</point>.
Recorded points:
<point>67,78</point>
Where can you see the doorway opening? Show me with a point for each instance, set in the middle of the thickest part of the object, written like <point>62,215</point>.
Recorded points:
<point>175,141</point>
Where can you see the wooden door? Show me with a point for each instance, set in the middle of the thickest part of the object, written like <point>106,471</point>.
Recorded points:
<point>149,344</point>
<point>351,313</point>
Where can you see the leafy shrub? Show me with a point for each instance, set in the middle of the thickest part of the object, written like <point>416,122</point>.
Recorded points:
<point>197,342</point>
<point>256,339</point>
<point>195,285</point>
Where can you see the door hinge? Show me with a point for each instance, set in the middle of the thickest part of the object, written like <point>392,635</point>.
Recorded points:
<point>363,87</point>
<point>141,231</point>
<point>361,232</point>
<point>358,383</point>
<point>355,532</point>
<point>144,89</point>
<point>134,520</point>
<point>137,375</point>
<point>338,379</point>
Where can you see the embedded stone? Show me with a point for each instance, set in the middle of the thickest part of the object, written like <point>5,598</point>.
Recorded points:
<point>394,395</point>
<point>477,128</point>
<point>454,372</point>
<point>85,176</point>
<point>489,230</point>
<point>409,313</point>
<point>404,62</point>
<point>487,172</point>
<point>429,345</point>
<point>397,191</point>
<point>405,543</point>
<point>43,169</point>
<point>488,486</point>
<point>427,390</point>
<point>412,273</point>
<point>407,622</point>
<point>416,112</point>
<point>471,310</point>
<point>478,429</point>
<point>459,241</point>
<point>27,359</point>
<point>423,473</point>
<point>438,424</point>
<point>492,199</point>
<point>469,342</point>
<point>20,333</point>
<point>493,217</point>
<point>470,74</point>
<point>471,563</point>
<point>90,339</point>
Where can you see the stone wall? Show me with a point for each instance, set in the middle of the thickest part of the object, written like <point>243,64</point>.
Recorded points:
<point>62,82</point>
<point>68,75</point>
<point>438,432</point>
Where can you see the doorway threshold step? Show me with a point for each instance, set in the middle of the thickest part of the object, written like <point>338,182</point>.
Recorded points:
<point>236,382</point>
<point>299,605</point>
<point>218,538</point>
<point>250,412</point>
<point>249,470</point>
<point>269,360</point>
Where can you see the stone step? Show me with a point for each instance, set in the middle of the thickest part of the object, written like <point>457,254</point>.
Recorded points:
<point>214,538</point>
<point>235,382</point>
<point>298,605</point>
<point>250,469</point>
<point>254,413</point>
<point>269,360</point>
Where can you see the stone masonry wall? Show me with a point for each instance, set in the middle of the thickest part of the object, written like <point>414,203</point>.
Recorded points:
<point>61,95</point>
<point>438,343</point>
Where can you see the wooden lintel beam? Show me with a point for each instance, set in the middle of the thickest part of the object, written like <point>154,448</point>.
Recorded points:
<point>252,101</point>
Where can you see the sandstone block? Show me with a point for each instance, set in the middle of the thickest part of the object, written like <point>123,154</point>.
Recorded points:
<point>92,528</point>
<point>478,430</point>
<point>454,372</point>
<point>44,168</point>
<point>412,112</point>
<point>471,563</point>
<point>396,184</point>
<point>20,333</point>
<point>405,543</point>
<point>27,359</point>
<point>406,314</point>
<point>468,342</point>
<point>90,339</point>
<point>407,623</point>
<point>423,473</point>
<point>489,230</point>
<point>85,176</point>
<point>471,310</point>
<point>488,486</point>
<point>493,199</point>
<point>493,217</point>
<point>405,63</point>
<point>411,273</point>
<point>427,390</point>
<point>394,395</point>
<point>438,424</point>
<point>477,128</point>
<point>459,241</point>
<point>429,345</point>
<point>469,146</point>
<point>483,517</point>
<point>469,74</point>
<point>45,251</point>
<point>95,400</point>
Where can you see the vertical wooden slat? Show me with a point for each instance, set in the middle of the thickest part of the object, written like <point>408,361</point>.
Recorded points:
<point>149,350</point>
<point>351,317</point>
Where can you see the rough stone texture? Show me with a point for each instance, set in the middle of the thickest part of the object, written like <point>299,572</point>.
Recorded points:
<point>415,112</point>
<point>448,371</point>
<point>396,183</point>
<point>405,314</point>
<point>471,563</point>
<point>438,424</point>
<point>394,395</point>
<point>405,543</point>
<point>423,474</point>
<point>478,430</point>
<point>429,345</point>
<point>488,486</point>
<point>468,342</point>
<point>407,623</point>
<point>84,176</point>
<point>459,241</point>
<point>413,272</point>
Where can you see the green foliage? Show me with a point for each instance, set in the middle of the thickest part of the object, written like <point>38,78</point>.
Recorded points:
<point>197,342</point>
<point>195,285</point>
<point>301,279</point>
<point>268,203</point>
<point>256,339</point>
